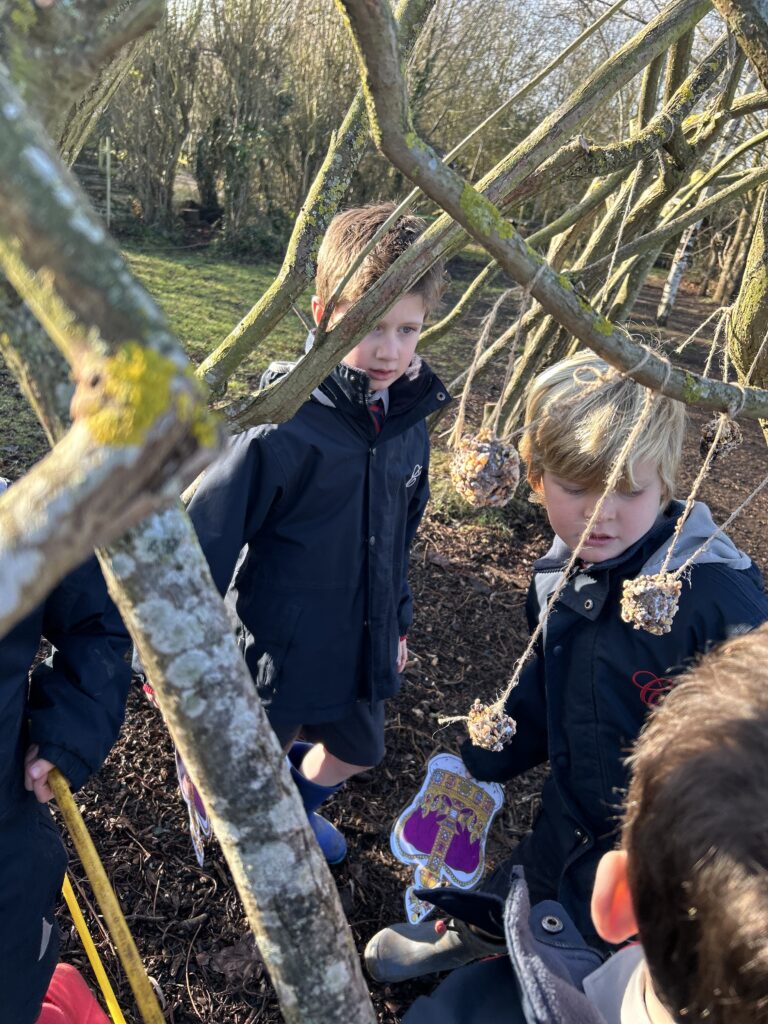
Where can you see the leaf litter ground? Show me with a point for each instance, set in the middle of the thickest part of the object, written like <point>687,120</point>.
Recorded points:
<point>469,575</point>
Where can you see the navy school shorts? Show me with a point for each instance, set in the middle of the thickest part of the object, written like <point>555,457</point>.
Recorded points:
<point>357,738</point>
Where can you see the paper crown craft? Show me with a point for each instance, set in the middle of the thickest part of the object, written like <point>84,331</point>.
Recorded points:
<point>443,830</point>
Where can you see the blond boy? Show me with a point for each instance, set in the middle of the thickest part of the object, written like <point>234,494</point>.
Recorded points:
<point>690,880</point>
<point>582,701</point>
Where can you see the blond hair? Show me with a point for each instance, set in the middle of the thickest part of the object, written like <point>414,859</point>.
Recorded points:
<point>578,415</point>
<point>349,232</point>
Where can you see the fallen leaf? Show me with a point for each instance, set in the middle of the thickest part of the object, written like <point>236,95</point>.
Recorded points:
<point>238,963</point>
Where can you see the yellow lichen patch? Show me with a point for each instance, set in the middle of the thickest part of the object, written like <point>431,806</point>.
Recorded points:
<point>603,325</point>
<point>483,215</point>
<point>122,397</point>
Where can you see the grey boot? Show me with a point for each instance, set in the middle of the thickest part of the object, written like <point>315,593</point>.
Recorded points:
<point>405,951</point>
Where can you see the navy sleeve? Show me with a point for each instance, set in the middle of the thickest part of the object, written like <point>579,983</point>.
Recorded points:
<point>233,499</point>
<point>722,603</point>
<point>77,697</point>
<point>416,507</point>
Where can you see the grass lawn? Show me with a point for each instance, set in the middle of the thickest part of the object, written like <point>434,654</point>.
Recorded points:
<point>205,296</point>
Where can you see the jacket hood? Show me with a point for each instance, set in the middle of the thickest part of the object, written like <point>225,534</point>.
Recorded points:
<point>698,528</point>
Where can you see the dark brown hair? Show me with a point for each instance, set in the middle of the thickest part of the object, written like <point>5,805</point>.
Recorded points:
<point>696,835</point>
<point>349,232</point>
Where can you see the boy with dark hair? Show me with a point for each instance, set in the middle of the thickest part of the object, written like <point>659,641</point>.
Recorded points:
<point>690,879</point>
<point>582,701</point>
<point>66,714</point>
<point>307,527</point>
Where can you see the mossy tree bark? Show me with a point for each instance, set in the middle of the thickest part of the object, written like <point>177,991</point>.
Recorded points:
<point>748,19</point>
<point>747,325</point>
<point>141,427</point>
<point>133,382</point>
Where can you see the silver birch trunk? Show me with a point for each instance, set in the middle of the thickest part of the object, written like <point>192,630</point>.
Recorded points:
<point>676,272</point>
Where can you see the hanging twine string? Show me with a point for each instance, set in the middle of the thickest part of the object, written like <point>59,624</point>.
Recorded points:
<point>628,206</point>
<point>722,422</point>
<point>724,417</point>
<point>713,347</point>
<point>617,469</point>
<point>525,304</point>
<point>690,500</point>
<point>458,426</point>
<point>721,311</point>
<point>456,432</point>
<point>736,512</point>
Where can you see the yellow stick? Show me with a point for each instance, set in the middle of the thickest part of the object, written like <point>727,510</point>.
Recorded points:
<point>143,992</point>
<point>93,955</point>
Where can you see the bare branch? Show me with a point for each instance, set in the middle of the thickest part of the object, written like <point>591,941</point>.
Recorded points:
<point>371,28</point>
<point>746,183</point>
<point>579,159</point>
<point>444,237</point>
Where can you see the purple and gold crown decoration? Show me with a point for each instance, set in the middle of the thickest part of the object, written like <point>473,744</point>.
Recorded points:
<point>443,830</point>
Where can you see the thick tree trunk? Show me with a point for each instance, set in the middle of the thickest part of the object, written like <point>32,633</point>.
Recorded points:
<point>736,255</point>
<point>747,328</point>
<point>748,20</point>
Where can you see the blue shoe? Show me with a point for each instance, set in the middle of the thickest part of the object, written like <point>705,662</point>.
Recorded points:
<point>330,840</point>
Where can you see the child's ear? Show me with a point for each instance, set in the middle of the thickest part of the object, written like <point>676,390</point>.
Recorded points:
<point>612,912</point>
<point>537,490</point>
<point>317,309</point>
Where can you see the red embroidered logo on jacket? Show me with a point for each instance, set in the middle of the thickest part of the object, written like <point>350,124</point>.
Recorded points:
<point>652,687</point>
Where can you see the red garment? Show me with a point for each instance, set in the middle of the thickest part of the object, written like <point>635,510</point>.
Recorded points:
<point>378,413</point>
<point>69,1000</point>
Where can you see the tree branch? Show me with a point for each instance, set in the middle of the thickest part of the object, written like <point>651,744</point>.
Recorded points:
<point>371,29</point>
<point>323,200</point>
<point>142,426</point>
<point>579,159</point>
<point>748,20</point>
<point>657,237</point>
<point>444,237</point>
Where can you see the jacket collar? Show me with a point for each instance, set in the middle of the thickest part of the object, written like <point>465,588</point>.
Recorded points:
<point>348,390</point>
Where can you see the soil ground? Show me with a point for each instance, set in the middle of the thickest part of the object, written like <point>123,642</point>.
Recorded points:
<point>469,574</point>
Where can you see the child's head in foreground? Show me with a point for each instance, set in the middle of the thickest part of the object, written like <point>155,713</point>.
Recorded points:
<point>692,875</point>
<point>578,416</point>
<point>388,350</point>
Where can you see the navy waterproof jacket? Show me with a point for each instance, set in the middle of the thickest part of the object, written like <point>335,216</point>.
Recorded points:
<point>73,705</point>
<point>307,525</point>
<point>542,978</point>
<point>583,700</point>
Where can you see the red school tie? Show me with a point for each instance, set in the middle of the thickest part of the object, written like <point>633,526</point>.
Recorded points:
<point>378,413</point>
